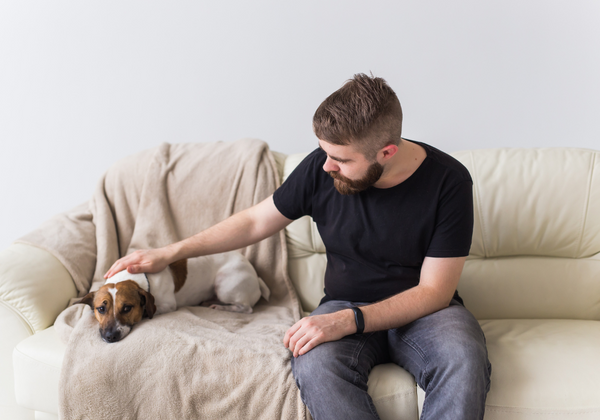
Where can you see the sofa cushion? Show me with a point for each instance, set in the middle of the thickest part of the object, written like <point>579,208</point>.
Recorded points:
<point>543,369</point>
<point>529,287</point>
<point>543,202</point>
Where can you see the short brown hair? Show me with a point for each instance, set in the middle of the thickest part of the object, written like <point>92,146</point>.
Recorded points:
<point>364,112</point>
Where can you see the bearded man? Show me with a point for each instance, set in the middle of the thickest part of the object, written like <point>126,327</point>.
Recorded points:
<point>396,218</point>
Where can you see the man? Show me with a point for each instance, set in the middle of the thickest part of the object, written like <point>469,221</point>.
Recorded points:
<point>396,218</point>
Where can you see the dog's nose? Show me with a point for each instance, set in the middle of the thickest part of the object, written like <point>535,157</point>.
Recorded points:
<point>111,336</point>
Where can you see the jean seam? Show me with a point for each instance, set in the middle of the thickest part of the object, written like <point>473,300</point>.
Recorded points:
<point>359,347</point>
<point>363,340</point>
<point>417,350</point>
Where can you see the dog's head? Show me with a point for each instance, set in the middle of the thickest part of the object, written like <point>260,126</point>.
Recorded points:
<point>118,307</point>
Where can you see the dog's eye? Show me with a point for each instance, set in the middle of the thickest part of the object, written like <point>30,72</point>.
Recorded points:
<point>101,309</point>
<point>126,309</point>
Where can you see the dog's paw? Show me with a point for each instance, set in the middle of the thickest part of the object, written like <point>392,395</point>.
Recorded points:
<point>234,307</point>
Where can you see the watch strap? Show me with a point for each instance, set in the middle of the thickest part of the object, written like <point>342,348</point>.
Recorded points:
<point>360,320</point>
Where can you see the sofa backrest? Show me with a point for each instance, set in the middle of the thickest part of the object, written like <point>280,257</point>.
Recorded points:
<point>536,240</point>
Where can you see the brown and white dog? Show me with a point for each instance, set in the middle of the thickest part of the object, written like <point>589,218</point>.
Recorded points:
<point>126,298</point>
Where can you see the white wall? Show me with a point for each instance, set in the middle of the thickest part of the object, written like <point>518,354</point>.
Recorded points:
<point>83,84</point>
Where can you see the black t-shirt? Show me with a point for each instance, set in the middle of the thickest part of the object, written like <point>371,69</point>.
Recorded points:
<point>376,240</point>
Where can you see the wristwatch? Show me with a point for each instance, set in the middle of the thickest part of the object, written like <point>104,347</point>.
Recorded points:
<point>360,320</point>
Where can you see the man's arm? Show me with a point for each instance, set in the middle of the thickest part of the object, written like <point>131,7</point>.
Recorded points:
<point>438,282</point>
<point>242,229</point>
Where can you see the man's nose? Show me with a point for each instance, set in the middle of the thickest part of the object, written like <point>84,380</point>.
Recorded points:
<point>330,165</point>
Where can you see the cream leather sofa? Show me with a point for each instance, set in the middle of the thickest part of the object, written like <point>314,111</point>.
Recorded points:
<point>532,279</point>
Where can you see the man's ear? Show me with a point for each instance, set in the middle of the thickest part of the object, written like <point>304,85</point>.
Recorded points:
<point>388,151</point>
<point>88,299</point>
<point>147,301</point>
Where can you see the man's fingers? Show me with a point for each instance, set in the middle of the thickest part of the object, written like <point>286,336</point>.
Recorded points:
<point>118,266</point>
<point>133,269</point>
<point>113,270</point>
<point>290,333</point>
<point>126,263</point>
<point>309,346</point>
<point>298,345</point>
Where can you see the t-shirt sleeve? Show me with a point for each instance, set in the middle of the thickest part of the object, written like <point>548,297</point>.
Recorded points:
<point>454,225</point>
<point>294,198</point>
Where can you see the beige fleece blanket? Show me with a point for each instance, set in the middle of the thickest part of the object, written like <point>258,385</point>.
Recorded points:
<point>196,362</point>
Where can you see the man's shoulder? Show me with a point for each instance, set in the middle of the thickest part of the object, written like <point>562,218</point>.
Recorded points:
<point>449,164</point>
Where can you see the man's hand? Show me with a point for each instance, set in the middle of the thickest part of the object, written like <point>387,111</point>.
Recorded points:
<point>311,331</point>
<point>142,261</point>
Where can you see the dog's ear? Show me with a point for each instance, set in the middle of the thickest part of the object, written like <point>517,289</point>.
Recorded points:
<point>88,299</point>
<point>147,301</point>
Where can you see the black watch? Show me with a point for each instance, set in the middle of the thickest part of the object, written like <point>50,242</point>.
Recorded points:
<point>360,320</point>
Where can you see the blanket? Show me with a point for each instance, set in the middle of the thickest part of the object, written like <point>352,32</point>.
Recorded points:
<point>196,362</point>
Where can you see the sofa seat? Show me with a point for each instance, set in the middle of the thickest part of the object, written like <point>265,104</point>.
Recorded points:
<point>543,369</point>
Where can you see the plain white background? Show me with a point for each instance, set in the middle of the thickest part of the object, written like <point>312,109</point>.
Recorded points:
<point>83,84</point>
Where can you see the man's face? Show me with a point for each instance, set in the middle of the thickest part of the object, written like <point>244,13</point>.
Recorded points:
<point>350,170</point>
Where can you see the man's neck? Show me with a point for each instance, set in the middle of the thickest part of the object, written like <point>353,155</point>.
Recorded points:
<point>402,165</point>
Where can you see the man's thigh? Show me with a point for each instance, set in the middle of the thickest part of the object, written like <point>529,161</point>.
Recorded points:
<point>356,352</point>
<point>439,342</point>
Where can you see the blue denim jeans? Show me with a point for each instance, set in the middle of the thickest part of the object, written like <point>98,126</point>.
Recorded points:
<point>444,351</point>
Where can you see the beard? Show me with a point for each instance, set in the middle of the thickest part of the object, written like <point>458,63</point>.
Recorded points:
<point>347,186</point>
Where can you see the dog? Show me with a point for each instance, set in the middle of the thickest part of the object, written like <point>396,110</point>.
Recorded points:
<point>126,298</point>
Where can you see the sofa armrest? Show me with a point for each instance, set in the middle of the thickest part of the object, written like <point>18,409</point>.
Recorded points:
<point>34,288</point>
<point>34,285</point>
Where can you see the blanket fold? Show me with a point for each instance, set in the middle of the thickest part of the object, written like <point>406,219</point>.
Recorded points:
<point>195,362</point>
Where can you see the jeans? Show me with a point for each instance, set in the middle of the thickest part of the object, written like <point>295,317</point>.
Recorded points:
<point>444,351</point>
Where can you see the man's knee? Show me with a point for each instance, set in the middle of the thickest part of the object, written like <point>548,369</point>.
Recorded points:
<point>323,364</point>
<point>463,360</point>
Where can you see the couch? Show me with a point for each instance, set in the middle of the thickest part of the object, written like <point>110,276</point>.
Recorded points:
<point>532,279</point>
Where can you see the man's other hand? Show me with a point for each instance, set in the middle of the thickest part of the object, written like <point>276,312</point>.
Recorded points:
<point>311,331</point>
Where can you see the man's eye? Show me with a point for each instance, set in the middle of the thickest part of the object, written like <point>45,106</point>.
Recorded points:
<point>101,309</point>
<point>126,309</point>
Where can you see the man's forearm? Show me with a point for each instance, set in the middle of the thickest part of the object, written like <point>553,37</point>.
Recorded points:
<point>403,308</point>
<point>240,230</point>
<point>233,233</point>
